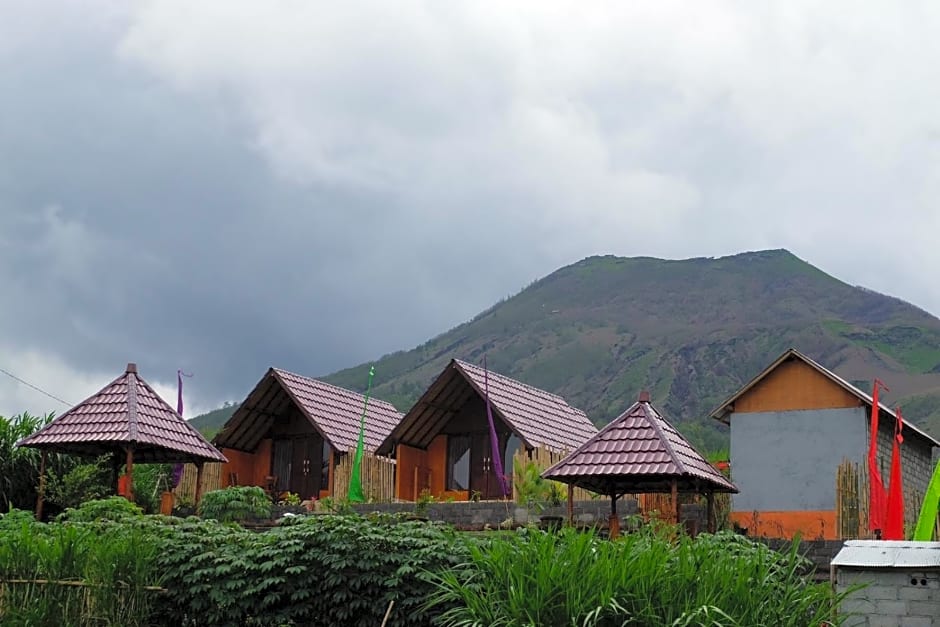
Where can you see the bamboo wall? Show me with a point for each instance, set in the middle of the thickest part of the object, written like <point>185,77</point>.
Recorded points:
<point>543,458</point>
<point>852,494</point>
<point>185,492</point>
<point>377,474</point>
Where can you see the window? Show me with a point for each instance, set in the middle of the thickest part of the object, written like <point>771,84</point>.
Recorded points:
<point>511,447</point>
<point>458,462</point>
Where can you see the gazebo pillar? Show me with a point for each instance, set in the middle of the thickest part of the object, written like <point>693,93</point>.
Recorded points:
<point>130,474</point>
<point>675,501</point>
<point>571,505</point>
<point>198,497</point>
<point>710,512</point>
<point>613,523</point>
<point>40,493</point>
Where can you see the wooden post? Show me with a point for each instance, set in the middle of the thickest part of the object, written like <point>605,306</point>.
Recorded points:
<point>711,523</point>
<point>613,523</point>
<point>571,504</point>
<point>42,485</point>
<point>675,501</point>
<point>130,474</point>
<point>198,497</point>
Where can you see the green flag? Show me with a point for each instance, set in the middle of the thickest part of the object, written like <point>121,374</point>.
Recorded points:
<point>928,511</point>
<point>355,480</point>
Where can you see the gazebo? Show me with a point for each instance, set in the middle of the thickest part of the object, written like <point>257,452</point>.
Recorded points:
<point>639,452</point>
<point>128,420</point>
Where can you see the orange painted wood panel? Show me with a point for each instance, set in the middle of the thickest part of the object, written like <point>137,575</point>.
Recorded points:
<point>810,525</point>
<point>437,462</point>
<point>240,464</point>
<point>408,461</point>
<point>262,461</point>
<point>793,385</point>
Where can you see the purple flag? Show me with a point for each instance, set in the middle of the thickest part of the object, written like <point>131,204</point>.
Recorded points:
<point>178,468</point>
<point>494,439</point>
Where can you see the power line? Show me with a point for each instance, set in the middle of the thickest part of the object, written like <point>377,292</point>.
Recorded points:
<point>40,390</point>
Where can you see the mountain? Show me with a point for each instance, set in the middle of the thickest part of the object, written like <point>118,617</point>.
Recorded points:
<point>210,422</point>
<point>691,331</point>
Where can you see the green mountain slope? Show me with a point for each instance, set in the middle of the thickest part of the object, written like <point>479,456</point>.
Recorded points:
<point>691,331</point>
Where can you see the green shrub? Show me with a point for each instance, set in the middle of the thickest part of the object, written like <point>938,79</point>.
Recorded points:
<point>642,579</point>
<point>324,570</point>
<point>111,508</point>
<point>238,503</point>
<point>79,483</point>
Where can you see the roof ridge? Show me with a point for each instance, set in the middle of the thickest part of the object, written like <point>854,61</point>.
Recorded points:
<point>608,427</point>
<point>522,383</point>
<point>372,399</point>
<point>132,426</point>
<point>654,421</point>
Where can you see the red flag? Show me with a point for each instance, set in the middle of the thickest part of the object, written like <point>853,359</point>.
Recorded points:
<point>877,500</point>
<point>894,520</point>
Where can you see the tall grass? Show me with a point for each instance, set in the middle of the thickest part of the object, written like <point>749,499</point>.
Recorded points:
<point>650,578</point>
<point>74,574</point>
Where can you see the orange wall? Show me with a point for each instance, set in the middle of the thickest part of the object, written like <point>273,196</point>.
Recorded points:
<point>408,460</point>
<point>251,468</point>
<point>810,525</point>
<point>437,463</point>
<point>793,385</point>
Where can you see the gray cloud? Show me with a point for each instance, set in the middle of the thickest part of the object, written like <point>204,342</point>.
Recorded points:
<point>226,186</point>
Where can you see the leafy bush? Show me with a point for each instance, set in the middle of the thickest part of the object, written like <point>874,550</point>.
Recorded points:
<point>79,483</point>
<point>642,579</point>
<point>325,570</point>
<point>19,467</point>
<point>237,503</point>
<point>112,508</point>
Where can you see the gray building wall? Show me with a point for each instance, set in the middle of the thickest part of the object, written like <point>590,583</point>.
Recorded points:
<point>785,461</point>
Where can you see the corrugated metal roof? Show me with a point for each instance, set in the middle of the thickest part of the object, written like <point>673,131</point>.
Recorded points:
<point>721,412</point>
<point>639,451</point>
<point>537,417</point>
<point>888,554</point>
<point>333,411</point>
<point>125,412</point>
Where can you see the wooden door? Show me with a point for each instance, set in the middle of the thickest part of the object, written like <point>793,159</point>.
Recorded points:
<point>483,477</point>
<point>306,467</point>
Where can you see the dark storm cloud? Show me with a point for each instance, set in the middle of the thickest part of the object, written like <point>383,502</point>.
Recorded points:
<point>227,186</point>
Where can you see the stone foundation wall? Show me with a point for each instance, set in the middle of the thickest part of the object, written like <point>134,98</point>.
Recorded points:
<point>480,515</point>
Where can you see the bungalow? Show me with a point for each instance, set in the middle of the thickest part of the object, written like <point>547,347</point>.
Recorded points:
<point>791,427</point>
<point>290,432</point>
<point>443,443</point>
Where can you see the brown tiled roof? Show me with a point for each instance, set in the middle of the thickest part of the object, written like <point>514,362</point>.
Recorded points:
<point>537,417</point>
<point>639,451</point>
<point>126,412</point>
<point>727,407</point>
<point>334,412</point>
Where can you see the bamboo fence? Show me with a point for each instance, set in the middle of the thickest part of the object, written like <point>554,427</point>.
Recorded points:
<point>543,458</point>
<point>377,474</point>
<point>185,492</point>
<point>852,498</point>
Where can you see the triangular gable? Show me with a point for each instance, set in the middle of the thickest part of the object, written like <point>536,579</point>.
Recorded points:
<point>332,411</point>
<point>536,417</point>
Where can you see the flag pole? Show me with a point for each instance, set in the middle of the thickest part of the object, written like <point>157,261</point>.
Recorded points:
<point>494,439</point>
<point>355,494</point>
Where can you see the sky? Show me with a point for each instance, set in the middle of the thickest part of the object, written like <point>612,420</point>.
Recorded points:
<point>223,186</point>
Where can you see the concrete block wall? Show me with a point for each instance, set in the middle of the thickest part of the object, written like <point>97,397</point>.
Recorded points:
<point>916,466</point>
<point>470,515</point>
<point>899,597</point>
